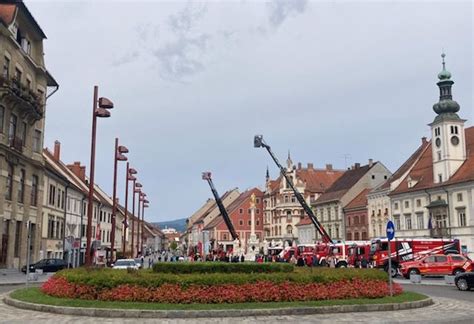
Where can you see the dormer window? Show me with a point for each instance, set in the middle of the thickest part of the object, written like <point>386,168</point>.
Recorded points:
<point>26,45</point>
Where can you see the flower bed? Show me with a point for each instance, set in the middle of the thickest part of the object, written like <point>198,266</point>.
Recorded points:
<point>146,286</point>
<point>262,291</point>
<point>221,267</point>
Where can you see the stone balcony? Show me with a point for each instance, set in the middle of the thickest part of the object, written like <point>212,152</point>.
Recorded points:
<point>22,99</point>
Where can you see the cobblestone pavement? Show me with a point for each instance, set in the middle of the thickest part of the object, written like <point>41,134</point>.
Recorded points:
<point>445,310</point>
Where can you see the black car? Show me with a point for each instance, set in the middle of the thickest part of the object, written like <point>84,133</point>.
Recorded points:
<point>47,265</point>
<point>464,281</point>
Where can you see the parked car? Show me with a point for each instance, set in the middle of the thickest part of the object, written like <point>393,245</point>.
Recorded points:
<point>138,261</point>
<point>125,264</point>
<point>464,281</point>
<point>437,265</point>
<point>47,265</point>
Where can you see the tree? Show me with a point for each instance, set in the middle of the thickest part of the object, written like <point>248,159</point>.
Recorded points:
<point>173,245</point>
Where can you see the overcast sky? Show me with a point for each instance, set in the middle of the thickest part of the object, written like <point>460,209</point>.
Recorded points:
<point>193,82</point>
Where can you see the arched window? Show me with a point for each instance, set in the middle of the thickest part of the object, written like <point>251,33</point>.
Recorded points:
<point>356,236</point>
<point>289,229</point>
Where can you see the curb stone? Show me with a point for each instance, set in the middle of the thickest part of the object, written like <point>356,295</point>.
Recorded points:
<point>120,313</point>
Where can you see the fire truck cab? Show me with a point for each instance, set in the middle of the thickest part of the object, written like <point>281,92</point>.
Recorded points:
<point>408,249</point>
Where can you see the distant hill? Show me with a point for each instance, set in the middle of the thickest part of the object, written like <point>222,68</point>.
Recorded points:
<point>178,224</point>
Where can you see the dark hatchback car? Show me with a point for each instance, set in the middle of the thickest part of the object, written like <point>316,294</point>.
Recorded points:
<point>464,281</point>
<point>47,265</point>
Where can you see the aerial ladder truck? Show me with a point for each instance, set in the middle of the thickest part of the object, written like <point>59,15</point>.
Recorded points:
<point>207,176</point>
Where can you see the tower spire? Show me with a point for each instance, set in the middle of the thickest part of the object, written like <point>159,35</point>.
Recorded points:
<point>289,162</point>
<point>446,107</point>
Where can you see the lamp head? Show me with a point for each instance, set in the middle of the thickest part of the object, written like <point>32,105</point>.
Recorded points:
<point>121,157</point>
<point>138,185</point>
<point>132,171</point>
<point>131,178</point>
<point>122,149</point>
<point>146,205</point>
<point>258,141</point>
<point>105,103</point>
<point>102,113</point>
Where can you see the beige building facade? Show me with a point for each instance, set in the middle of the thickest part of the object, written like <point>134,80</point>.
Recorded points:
<point>24,83</point>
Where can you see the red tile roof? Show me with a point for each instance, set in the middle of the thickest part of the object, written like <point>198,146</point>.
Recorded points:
<point>318,180</point>
<point>422,172</point>
<point>359,201</point>
<point>406,165</point>
<point>344,183</point>
<point>305,221</point>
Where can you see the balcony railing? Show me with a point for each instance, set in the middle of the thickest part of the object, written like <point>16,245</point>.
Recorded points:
<point>24,98</point>
<point>440,232</point>
<point>16,143</point>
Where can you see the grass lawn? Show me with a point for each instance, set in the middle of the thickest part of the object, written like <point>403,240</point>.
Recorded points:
<point>34,295</point>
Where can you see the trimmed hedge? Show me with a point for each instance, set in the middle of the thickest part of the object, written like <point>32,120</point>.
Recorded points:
<point>221,267</point>
<point>110,278</point>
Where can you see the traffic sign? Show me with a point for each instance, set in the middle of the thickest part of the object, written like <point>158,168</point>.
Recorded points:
<point>390,230</point>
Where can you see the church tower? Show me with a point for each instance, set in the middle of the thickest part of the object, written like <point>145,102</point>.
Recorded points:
<point>447,131</point>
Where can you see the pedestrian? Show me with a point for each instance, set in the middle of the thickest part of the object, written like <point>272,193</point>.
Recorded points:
<point>150,262</point>
<point>242,258</point>
<point>300,262</point>
<point>142,260</point>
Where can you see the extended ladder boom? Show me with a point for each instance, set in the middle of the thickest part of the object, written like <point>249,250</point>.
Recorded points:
<point>207,176</point>
<point>258,142</point>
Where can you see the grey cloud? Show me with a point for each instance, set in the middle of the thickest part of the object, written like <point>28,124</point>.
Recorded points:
<point>184,21</point>
<point>280,10</point>
<point>182,57</point>
<point>125,59</point>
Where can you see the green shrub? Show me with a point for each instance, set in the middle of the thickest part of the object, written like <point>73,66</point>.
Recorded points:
<point>221,267</point>
<point>109,278</point>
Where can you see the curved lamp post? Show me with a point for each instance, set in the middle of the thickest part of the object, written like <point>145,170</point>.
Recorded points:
<point>100,108</point>
<point>145,203</point>
<point>129,176</point>
<point>136,190</point>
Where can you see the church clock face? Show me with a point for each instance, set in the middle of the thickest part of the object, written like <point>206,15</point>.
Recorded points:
<point>455,140</point>
<point>438,142</point>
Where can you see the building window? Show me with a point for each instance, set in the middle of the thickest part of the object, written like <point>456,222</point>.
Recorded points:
<point>9,184</point>
<point>2,118</point>
<point>397,222</point>
<point>373,176</point>
<point>249,211</point>
<point>439,156</point>
<point>26,45</point>
<point>12,128</point>
<point>241,211</point>
<point>395,206</point>
<point>23,131</point>
<point>258,222</point>
<point>407,204</point>
<point>37,141</point>
<point>18,75</point>
<point>418,203</point>
<point>258,211</point>
<point>52,194</point>
<point>6,68</point>
<point>329,213</point>
<point>420,221</point>
<point>462,217</point>
<point>288,215</point>
<point>440,178</point>
<point>250,223</point>
<point>337,232</point>
<point>241,222</point>
<point>224,236</point>
<point>257,200</point>
<point>408,222</point>
<point>50,226</point>
<point>34,190</point>
<point>16,250</point>
<point>289,229</point>
<point>286,199</point>
<point>21,187</point>
<point>459,195</point>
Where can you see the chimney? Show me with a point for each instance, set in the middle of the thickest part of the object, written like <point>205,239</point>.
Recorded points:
<point>371,162</point>
<point>357,165</point>
<point>423,140</point>
<point>310,166</point>
<point>57,150</point>
<point>329,167</point>
<point>299,165</point>
<point>78,170</point>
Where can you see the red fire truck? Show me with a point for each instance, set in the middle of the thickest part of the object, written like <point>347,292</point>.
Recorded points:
<point>409,249</point>
<point>345,254</point>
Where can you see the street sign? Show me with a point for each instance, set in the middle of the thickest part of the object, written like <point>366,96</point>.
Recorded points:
<point>390,230</point>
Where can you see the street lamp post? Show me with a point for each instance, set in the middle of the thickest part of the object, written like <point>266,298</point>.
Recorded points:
<point>99,109</point>
<point>141,198</point>
<point>144,205</point>
<point>138,191</point>
<point>129,177</point>
<point>118,156</point>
